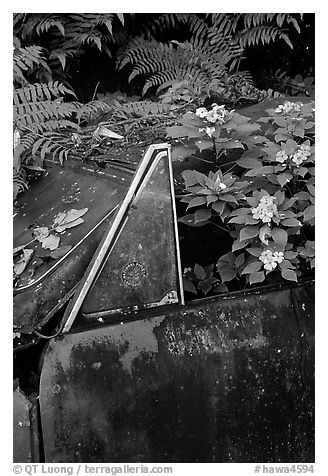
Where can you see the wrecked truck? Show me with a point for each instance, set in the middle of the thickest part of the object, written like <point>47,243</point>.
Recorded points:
<point>111,363</point>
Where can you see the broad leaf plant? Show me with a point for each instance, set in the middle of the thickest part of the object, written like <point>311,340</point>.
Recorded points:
<point>265,202</point>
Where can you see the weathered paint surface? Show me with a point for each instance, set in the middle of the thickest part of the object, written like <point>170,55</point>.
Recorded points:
<point>22,451</point>
<point>220,380</point>
<point>51,194</point>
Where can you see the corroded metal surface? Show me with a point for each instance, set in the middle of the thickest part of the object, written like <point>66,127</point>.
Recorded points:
<point>22,448</point>
<point>222,379</point>
<point>57,192</point>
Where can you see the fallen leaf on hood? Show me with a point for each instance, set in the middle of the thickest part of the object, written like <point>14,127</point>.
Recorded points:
<point>23,262</point>
<point>63,219</point>
<point>62,228</point>
<point>51,242</point>
<point>41,232</point>
<point>103,131</point>
<point>18,249</point>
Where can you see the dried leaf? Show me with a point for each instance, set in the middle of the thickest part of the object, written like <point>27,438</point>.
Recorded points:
<point>41,232</point>
<point>103,131</point>
<point>18,249</point>
<point>71,224</point>
<point>23,262</point>
<point>51,242</point>
<point>66,217</point>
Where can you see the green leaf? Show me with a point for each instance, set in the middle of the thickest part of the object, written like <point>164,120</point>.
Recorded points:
<point>211,199</point>
<point>189,285</point>
<point>197,201</point>
<point>266,169</point>
<point>249,163</point>
<point>290,222</point>
<point>190,119</point>
<point>240,211</point>
<point>311,189</point>
<point>309,213</point>
<point>248,127</point>
<point>232,144</point>
<point>202,215</point>
<point>252,267</point>
<point>227,197</point>
<point>177,131</point>
<point>187,219</point>
<point>284,178</point>
<point>227,272</point>
<point>255,251</point>
<point>240,219</point>
<point>290,255</point>
<point>199,271</point>
<point>280,121</point>
<point>221,288</point>
<point>286,264</point>
<point>180,153</point>
<point>248,232</point>
<point>240,260</point>
<point>279,236</point>
<point>302,171</point>
<point>189,177</point>
<point>257,277</point>
<point>238,245</point>
<point>289,274</point>
<point>201,178</point>
<point>218,207</point>
<point>203,144</point>
<point>205,286</point>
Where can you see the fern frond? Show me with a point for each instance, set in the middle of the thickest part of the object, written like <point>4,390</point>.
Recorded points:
<point>254,28</point>
<point>19,182</point>
<point>258,34</point>
<point>40,92</point>
<point>25,59</point>
<point>93,109</point>
<point>197,61</point>
<point>48,22</point>
<point>67,33</point>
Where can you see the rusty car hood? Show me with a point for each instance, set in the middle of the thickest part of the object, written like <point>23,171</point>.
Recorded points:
<point>46,281</point>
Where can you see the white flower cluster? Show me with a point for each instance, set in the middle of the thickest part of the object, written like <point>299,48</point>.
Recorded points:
<point>298,158</point>
<point>288,107</point>
<point>265,210</point>
<point>219,185</point>
<point>281,156</point>
<point>216,114</point>
<point>209,130</point>
<point>301,154</point>
<point>271,259</point>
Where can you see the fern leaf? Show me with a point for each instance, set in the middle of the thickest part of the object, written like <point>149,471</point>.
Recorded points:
<point>92,109</point>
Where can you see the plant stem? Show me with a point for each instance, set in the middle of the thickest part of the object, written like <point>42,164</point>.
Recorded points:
<point>221,227</point>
